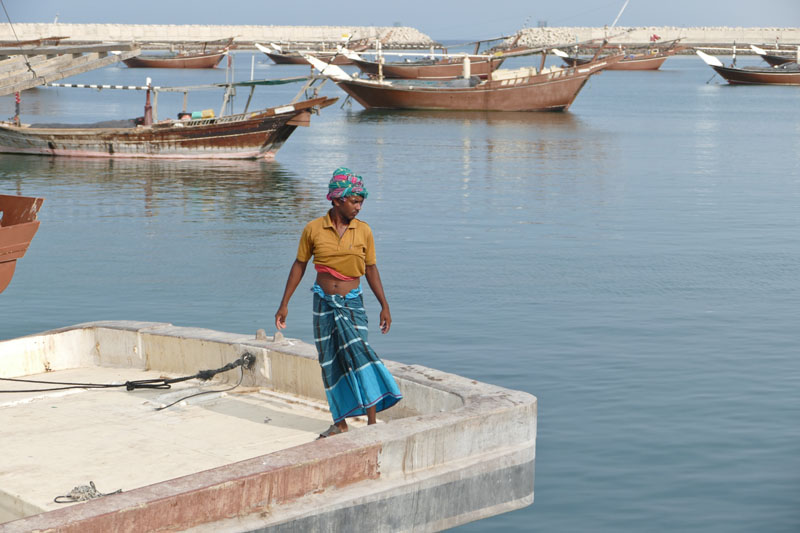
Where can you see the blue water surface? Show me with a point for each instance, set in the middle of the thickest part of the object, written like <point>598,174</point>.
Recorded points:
<point>634,263</point>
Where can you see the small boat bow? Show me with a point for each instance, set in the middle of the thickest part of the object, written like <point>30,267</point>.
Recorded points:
<point>18,225</point>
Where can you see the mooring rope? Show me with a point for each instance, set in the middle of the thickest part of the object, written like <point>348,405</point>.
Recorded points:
<point>83,493</point>
<point>247,360</point>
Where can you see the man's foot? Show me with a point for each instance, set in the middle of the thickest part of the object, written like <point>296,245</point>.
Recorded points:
<point>331,431</point>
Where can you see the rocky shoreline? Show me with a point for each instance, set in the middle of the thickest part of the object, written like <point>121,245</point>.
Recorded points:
<point>166,35</point>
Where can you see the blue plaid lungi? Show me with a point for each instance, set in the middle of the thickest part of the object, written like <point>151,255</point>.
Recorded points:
<point>353,374</point>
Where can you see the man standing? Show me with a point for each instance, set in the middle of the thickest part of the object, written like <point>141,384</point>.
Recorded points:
<point>356,381</point>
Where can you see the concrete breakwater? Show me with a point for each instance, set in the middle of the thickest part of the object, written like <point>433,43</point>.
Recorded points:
<point>164,35</point>
<point>631,36</point>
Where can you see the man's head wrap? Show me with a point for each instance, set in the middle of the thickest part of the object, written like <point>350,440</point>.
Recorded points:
<point>345,183</point>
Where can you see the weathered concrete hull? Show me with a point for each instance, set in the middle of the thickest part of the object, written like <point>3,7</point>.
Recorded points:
<point>18,225</point>
<point>251,136</point>
<point>454,450</point>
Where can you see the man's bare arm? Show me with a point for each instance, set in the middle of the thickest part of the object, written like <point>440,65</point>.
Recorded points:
<point>374,280</point>
<point>295,276</point>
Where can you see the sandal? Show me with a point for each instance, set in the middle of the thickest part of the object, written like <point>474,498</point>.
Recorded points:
<point>331,431</point>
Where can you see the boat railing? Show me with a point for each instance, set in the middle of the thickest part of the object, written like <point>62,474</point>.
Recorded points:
<point>221,120</point>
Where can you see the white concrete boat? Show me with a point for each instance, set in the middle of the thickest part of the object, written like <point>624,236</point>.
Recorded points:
<point>453,451</point>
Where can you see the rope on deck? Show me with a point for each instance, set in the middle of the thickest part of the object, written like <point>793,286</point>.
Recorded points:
<point>247,360</point>
<point>83,493</point>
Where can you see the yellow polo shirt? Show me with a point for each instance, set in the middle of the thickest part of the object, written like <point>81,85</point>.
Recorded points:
<point>349,254</point>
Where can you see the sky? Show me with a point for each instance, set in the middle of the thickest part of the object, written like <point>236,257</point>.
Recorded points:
<point>439,19</point>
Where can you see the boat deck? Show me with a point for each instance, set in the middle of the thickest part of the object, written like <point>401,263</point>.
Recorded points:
<point>246,459</point>
<point>54,441</point>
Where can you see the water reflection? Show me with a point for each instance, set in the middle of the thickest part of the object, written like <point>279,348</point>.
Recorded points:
<point>530,140</point>
<point>229,189</point>
<point>550,121</point>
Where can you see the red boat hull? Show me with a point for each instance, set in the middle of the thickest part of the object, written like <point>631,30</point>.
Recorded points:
<point>18,225</point>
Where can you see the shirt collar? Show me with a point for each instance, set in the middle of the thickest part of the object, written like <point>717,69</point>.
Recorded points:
<point>327,223</point>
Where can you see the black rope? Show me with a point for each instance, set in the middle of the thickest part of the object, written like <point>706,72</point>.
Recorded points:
<point>241,377</point>
<point>83,493</point>
<point>246,361</point>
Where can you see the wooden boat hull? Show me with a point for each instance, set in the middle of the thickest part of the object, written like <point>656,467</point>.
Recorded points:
<point>551,91</point>
<point>254,135</point>
<point>642,62</point>
<point>441,70</point>
<point>297,59</point>
<point>776,61</point>
<point>18,225</point>
<point>760,76</point>
<point>652,62</point>
<point>189,61</point>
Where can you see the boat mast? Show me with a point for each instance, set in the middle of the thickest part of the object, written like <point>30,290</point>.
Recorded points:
<point>620,13</point>
<point>148,109</point>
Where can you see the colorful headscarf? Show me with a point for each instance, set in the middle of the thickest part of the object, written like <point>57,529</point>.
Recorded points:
<point>345,183</point>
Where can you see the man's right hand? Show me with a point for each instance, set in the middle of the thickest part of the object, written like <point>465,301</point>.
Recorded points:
<point>280,317</point>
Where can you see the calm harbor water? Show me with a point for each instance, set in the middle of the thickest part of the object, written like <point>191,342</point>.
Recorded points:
<point>634,263</point>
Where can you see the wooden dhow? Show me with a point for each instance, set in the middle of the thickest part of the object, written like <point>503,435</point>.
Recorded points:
<point>297,57</point>
<point>184,58</point>
<point>18,225</point>
<point>198,60</point>
<point>650,60</point>
<point>445,68</point>
<point>439,66</point>
<point>246,135</point>
<point>774,60</point>
<point>525,89</point>
<point>294,54</point>
<point>786,74</point>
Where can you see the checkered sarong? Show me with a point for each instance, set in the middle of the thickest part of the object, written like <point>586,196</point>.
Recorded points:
<point>353,374</point>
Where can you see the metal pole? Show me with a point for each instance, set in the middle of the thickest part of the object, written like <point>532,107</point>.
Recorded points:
<point>148,109</point>
<point>155,105</point>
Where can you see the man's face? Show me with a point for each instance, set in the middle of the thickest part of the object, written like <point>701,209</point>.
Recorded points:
<point>349,206</point>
